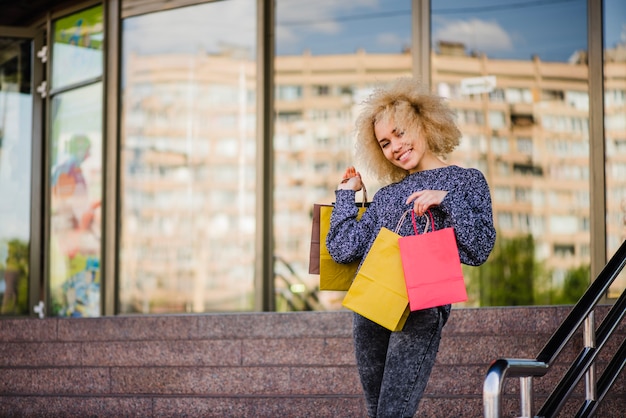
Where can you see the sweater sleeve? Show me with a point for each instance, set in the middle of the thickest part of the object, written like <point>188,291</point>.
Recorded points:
<point>469,208</point>
<point>348,238</point>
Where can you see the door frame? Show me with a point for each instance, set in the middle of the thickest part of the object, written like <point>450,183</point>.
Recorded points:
<point>35,275</point>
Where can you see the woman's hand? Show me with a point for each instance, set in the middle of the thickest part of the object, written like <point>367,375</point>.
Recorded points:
<point>424,199</point>
<point>351,180</point>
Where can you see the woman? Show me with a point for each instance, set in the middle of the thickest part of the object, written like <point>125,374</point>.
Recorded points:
<point>403,133</point>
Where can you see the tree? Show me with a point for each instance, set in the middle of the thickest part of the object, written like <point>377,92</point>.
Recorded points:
<point>15,276</point>
<point>575,284</point>
<point>507,278</point>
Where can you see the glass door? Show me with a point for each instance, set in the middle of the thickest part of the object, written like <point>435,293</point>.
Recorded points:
<point>16,152</point>
<point>74,184</point>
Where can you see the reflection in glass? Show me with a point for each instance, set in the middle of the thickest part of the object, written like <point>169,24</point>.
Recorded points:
<point>15,173</point>
<point>329,57</point>
<point>516,74</point>
<point>615,130</point>
<point>77,47</point>
<point>188,153</point>
<point>76,196</point>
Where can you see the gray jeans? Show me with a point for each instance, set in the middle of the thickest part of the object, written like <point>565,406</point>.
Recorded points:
<point>394,367</point>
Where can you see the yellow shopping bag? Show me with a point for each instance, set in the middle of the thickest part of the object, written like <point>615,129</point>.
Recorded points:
<point>378,291</point>
<point>333,275</point>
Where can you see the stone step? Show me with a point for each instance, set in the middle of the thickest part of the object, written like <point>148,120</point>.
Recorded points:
<point>261,364</point>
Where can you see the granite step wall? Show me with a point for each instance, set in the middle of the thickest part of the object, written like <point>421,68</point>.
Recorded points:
<point>261,365</point>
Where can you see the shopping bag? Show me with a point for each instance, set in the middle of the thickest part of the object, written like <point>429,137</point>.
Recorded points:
<point>333,275</point>
<point>432,268</point>
<point>378,291</point>
<point>314,252</point>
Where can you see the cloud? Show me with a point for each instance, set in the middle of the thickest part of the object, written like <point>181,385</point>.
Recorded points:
<point>320,15</point>
<point>294,18</point>
<point>192,28</point>
<point>476,34</point>
<point>392,40</point>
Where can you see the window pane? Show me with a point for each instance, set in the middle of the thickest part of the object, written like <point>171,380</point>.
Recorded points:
<point>615,130</point>
<point>188,159</point>
<point>330,54</point>
<point>518,79</point>
<point>77,47</point>
<point>16,104</point>
<point>76,196</point>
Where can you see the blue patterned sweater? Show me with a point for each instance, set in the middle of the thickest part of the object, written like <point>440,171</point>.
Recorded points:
<point>466,208</point>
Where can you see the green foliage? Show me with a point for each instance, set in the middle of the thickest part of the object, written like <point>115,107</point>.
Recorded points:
<point>510,281</point>
<point>574,286</point>
<point>15,300</point>
<point>512,277</point>
<point>507,278</point>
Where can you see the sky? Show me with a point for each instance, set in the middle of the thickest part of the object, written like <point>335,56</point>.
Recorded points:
<point>507,29</point>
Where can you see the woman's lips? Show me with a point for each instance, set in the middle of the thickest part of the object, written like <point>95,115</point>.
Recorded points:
<point>404,156</point>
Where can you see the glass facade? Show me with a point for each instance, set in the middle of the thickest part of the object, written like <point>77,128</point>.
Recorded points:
<point>188,154</point>
<point>16,102</point>
<point>329,56</point>
<point>190,131</point>
<point>520,92</point>
<point>615,130</point>
<point>76,161</point>
<point>77,48</point>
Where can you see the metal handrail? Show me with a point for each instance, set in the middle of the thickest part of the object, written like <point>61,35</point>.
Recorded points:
<point>613,369</point>
<point>528,368</point>
<point>558,397</point>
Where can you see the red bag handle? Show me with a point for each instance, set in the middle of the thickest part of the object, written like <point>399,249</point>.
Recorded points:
<point>432,222</point>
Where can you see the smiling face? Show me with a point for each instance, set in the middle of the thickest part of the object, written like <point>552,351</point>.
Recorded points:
<point>404,148</point>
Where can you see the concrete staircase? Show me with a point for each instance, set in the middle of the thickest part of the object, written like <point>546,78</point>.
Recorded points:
<point>260,365</point>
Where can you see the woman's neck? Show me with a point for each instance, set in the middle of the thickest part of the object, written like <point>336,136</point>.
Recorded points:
<point>429,162</point>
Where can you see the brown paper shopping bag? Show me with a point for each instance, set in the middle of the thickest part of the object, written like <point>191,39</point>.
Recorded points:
<point>314,252</point>
<point>378,291</point>
<point>333,275</point>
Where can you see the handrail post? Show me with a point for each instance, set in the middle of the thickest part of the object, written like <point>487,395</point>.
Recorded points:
<point>494,383</point>
<point>589,336</point>
<point>492,389</point>
<point>582,314</point>
<point>526,396</point>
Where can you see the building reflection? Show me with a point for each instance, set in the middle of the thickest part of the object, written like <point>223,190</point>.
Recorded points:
<point>188,159</point>
<point>188,190</point>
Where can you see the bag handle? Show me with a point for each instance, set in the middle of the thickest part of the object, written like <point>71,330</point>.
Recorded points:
<point>429,220</point>
<point>364,194</point>
<point>401,220</point>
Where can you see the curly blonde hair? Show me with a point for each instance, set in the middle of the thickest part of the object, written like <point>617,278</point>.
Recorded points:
<point>413,109</point>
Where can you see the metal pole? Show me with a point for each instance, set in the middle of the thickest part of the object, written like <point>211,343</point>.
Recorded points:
<point>589,336</point>
<point>526,396</point>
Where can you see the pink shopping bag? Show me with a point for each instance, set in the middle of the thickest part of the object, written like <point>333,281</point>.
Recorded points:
<point>432,268</point>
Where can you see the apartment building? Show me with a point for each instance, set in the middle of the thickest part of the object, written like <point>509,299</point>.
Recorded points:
<point>525,126</point>
<point>170,153</point>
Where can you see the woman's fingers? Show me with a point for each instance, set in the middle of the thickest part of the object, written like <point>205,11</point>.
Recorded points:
<point>350,172</point>
<point>414,196</point>
<point>425,199</point>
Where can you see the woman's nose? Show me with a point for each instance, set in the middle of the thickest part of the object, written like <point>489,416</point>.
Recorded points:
<point>396,144</point>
